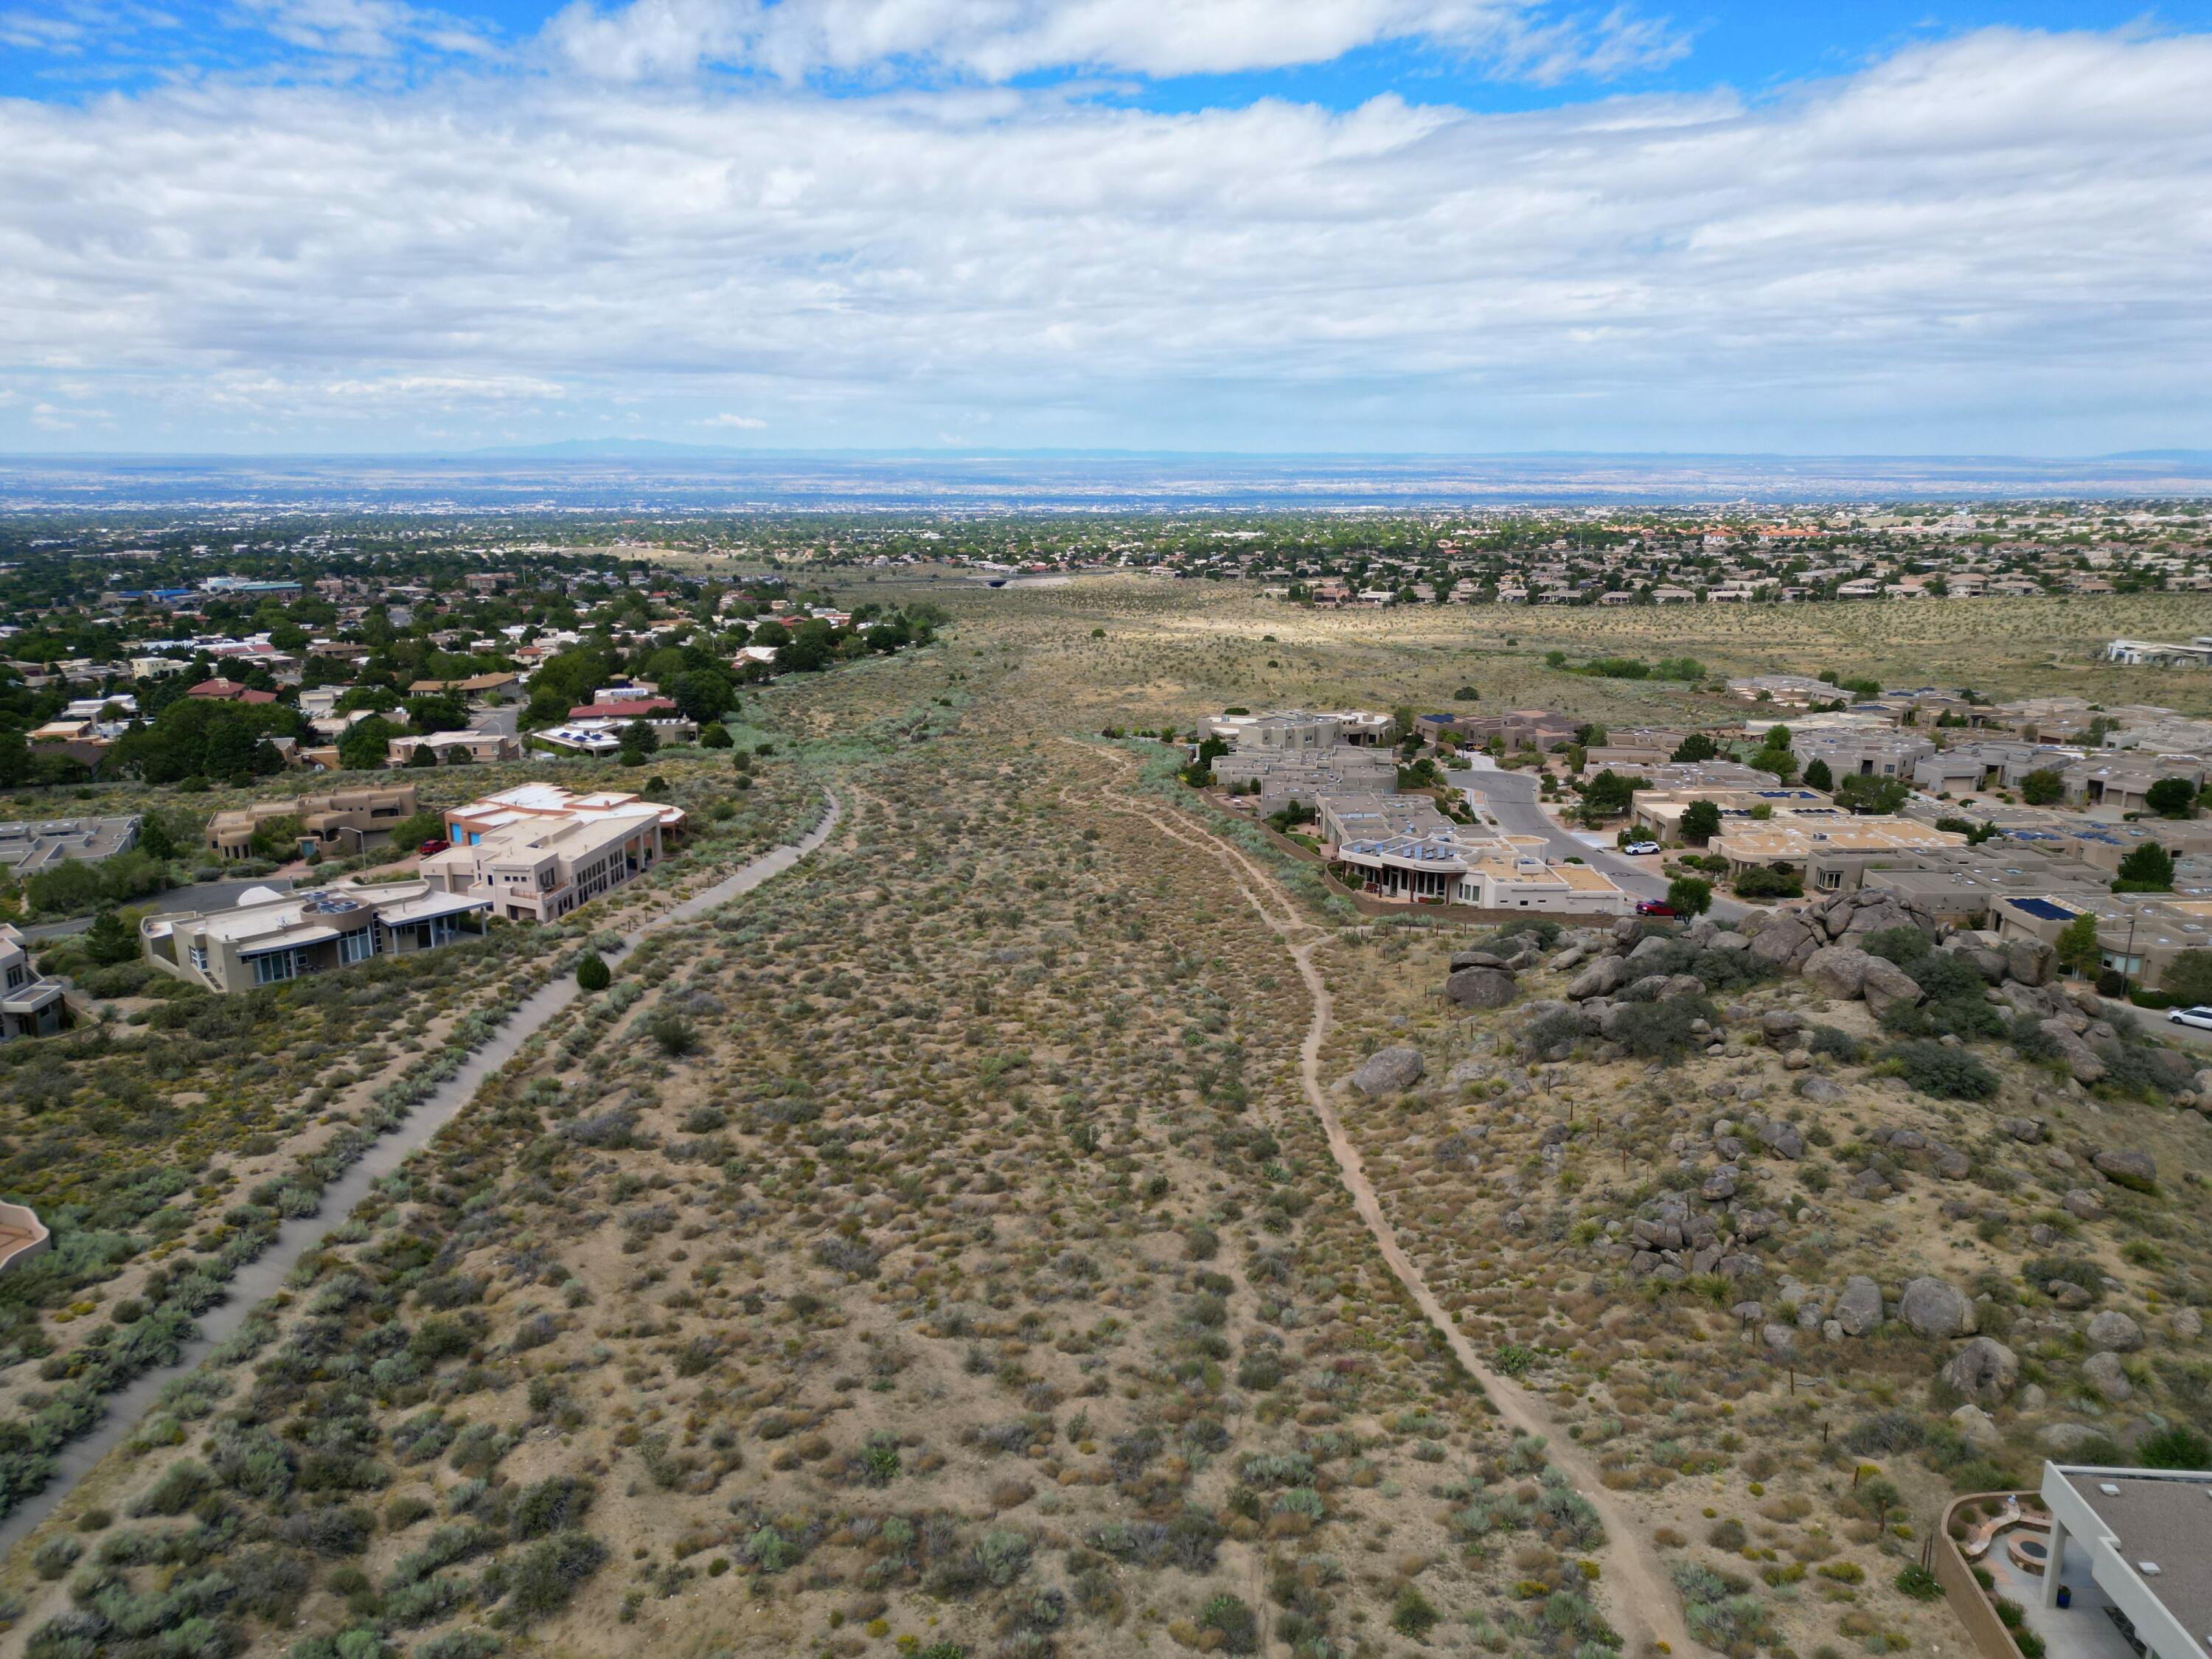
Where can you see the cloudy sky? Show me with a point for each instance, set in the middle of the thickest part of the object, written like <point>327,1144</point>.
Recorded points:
<point>1473,226</point>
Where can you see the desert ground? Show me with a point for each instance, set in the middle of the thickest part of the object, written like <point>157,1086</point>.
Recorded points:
<point>968,1243</point>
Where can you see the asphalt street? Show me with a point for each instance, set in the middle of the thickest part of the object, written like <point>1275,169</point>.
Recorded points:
<point>1510,798</point>
<point>199,895</point>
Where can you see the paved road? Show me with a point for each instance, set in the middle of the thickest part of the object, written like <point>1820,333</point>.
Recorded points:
<point>1509,798</point>
<point>507,720</point>
<point>198,895</point>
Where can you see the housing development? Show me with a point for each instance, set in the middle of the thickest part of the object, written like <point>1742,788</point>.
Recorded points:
<point>1562,1082</point>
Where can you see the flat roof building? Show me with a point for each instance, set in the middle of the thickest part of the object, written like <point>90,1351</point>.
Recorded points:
<point>28,848</point>
<point>2141,1540</point>
<point>335,821</point>
<point>535,853</point>
<point>268,938</point>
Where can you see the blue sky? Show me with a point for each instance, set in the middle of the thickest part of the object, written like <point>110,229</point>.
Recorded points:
<point>1345,225</point>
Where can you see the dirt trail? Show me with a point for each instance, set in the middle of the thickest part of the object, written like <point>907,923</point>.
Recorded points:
<point>1643,1603</point>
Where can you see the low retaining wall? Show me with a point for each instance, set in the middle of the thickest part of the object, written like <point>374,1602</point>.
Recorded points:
<point>22,1234</point>
<point>1961,1590</point>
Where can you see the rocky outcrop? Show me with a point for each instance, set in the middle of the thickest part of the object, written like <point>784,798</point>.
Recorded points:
<point>1933,1308</point>
<point>1480,986</point>
<point>2126,1167</point>
<point>1985,1371</point>
<point>1885,985</point>
<point>1838,970</point>
<point>1389,1071</point>
<point>2102,1372</point>
<point>2114,1330</point>
<point>1858,1309</point>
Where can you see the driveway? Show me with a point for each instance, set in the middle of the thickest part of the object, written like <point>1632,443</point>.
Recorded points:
<point>1510,799</point>
<point>507,720</point>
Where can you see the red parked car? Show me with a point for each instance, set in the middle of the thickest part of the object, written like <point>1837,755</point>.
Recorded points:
<point>431,848</point>
<point>1656,907</point>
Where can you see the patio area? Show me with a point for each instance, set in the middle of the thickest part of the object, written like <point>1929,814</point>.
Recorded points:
<point>2084,1630</point>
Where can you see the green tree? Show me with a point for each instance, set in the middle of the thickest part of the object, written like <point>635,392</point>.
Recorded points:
<point>702,694</point>
<point>2043,787</point>
<point>637,741</point>
<point>593,973</point>
<point>363,746</point>
<point>1695,747</point>
<point>2078,944</point>
<point>422,755</point>
<point>108,941</point>
<point>1818,776</point>
<point>2188,977</point>
<point>2148,869</point>
<point>716,736</point>
<point>1864,794</point>
<point>154,838</point>
<point>1701,822</point>
<point>438,714</point>
<point>2172,798</point>
<point>1607,795</point>
<point>1689,896</point>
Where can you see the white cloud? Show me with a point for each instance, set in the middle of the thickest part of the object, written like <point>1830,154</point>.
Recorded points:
<point>998,39</point>
<point>2005,228</point>
<point>743,422</point>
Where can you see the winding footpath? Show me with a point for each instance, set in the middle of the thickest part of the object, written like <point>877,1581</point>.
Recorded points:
<point>1643,1607</point>
<point>264,1275</point>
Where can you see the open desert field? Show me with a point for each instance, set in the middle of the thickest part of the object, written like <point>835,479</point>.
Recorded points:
<point>968,1243</point>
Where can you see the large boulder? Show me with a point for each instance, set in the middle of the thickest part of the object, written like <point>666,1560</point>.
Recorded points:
<point>1933,1308</point>
<point>1885,984</point>
<point>2082,1062</point>
<point>1820,1090</point>
<point>2112,1330</point>
<point>1389,1071</point>
<point>1858,1309</point>
<point>1985,1371</point>
<point>1479,987</point>
<point>1985,960</point>
<point>2102,1372</point>
<point>1474,960</point>
<point>1602,978</point>
<point>1976,1426</point>
<point>2126,1168</point>
<point>2030,961</point>
<point>1838,970</point>
<point>1785,941</point>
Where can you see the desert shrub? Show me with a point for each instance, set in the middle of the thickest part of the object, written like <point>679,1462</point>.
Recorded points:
<point>1758,882</point>
<point>1904,945</point>
<point>1656,1030</point>
<point>2176,1447</point>
<point>542,1578</point>
<point>556,1504</point>
<point>2086,1275</point>
<point>334,1530</point>
<point>1945,1073</point>
<point>1561,1027</point>
<point>1837,1044</point>
<point>1239,1628</point>
<point>1917,1582</point>
<point>1885,1432</point>
<point>181,1486</point>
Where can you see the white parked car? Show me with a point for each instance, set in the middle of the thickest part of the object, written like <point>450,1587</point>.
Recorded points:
<point>2200,1017</point>
<point>1640,848</point>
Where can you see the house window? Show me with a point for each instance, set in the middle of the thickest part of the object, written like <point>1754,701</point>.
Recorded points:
<point>199,957</point>
<point>277,966</point>
<point>356,946</point>
<point>16,975</point>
